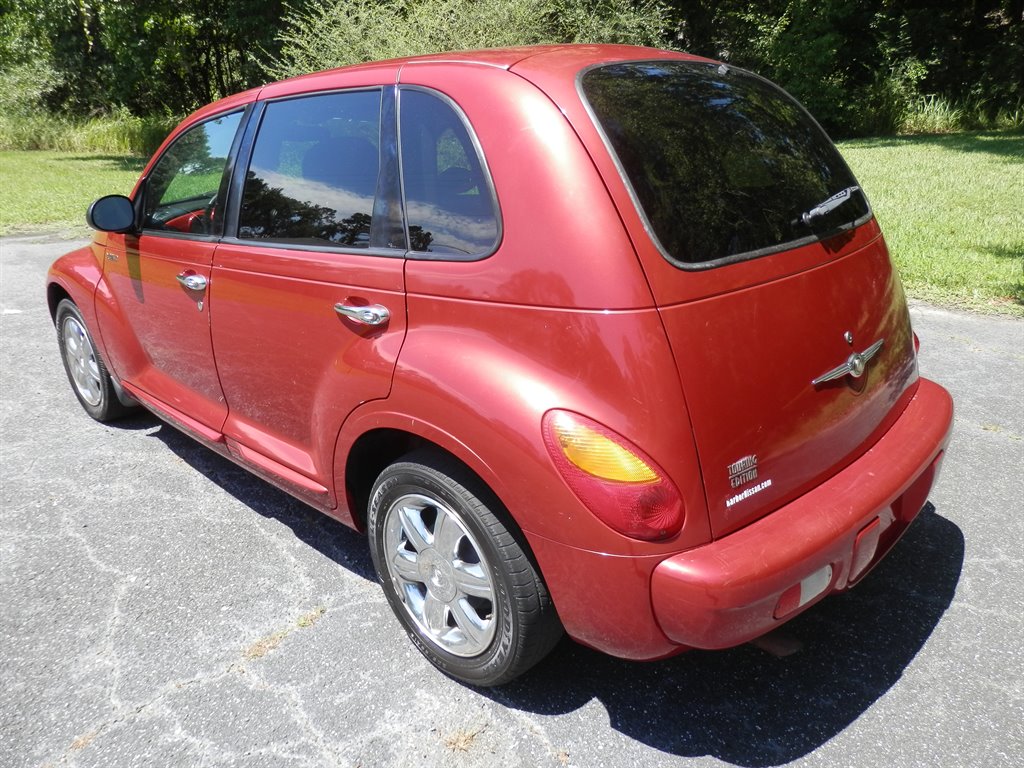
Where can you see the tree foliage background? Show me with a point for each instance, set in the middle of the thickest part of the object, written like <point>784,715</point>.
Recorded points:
<point>858,66</point>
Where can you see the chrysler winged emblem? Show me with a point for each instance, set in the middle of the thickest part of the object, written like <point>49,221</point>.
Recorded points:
<point>854,365</point>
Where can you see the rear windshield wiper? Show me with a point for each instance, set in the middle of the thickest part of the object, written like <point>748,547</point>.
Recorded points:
<point>825,206</point>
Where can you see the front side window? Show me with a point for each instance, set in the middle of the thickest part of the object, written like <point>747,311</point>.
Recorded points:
<point>723,164</point>
<point>449,202</point>
<point>183,189</point>
<point>313,174</point>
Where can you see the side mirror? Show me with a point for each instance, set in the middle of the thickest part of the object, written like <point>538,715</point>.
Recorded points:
<point>112,213</point>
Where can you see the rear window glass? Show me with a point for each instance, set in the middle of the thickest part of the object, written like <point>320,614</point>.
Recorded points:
<point>449,203</point>
<point>723,164</point>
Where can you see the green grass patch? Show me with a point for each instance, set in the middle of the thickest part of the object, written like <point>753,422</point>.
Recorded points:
<point>52,190</point>
<point>950,207</point>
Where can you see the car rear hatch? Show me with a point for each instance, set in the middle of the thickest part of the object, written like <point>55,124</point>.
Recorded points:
<point>787,321</point>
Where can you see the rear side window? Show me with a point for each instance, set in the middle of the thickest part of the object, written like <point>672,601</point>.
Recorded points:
<point>724,165</point>
<point>449,202</point>
<point>313,174</point>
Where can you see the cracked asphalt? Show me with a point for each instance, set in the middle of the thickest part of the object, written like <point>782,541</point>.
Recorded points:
<point>161,607</point>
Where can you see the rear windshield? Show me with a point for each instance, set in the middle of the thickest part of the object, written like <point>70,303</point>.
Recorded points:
<point>723,164</point>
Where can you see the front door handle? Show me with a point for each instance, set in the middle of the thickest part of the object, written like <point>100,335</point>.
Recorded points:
<point>192,281</point>
<point>374,314</point>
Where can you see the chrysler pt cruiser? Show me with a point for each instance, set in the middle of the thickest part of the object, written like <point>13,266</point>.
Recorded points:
<point>587,339</point>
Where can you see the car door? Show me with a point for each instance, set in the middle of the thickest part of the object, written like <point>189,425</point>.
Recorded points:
<point>158,280</point>
<point>307,297</point>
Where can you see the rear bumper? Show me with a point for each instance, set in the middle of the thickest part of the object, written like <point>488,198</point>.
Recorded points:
<point>729,591</point>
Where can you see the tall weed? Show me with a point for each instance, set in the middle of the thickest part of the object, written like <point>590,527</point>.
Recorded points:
<point>118,133</point>
<point>935,114</point>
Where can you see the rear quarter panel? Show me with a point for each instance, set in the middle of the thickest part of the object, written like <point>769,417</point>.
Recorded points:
<point>485,374</point>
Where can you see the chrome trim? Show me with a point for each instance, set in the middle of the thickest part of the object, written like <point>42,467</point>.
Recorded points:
<point>374,314</point>
<point>854,365</point>
<point>192,281</point>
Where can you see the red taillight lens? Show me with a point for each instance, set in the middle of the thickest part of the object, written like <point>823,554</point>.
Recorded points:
<point>917,342</point>
<point>617,481</point>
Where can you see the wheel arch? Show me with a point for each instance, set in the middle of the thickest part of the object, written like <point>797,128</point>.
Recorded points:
<point>74,276</point>
<point>386,439</point>
<point>377,448</point>
<point>55,294</point>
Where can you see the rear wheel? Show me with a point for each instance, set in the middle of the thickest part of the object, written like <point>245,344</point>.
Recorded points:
<point>455,572</point>
<point>89,378</point>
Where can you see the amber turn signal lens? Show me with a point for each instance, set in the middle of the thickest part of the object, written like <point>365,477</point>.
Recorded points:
<point>615,480</point>
<point>598,455</point>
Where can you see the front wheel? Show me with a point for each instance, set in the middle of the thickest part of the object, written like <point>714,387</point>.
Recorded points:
<point>456,574</point>
<point>88,375</point>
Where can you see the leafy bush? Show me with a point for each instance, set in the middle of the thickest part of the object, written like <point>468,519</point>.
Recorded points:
<point>23,86</point>
<point>329,33</point>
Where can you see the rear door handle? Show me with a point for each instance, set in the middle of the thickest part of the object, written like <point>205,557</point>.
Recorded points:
<point>374,314</point>
<point>192,281</point>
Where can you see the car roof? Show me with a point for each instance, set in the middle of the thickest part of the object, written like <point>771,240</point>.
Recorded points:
<point>556,61</point>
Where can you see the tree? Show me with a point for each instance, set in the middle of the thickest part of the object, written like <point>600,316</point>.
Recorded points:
<point>859,67</point>
<point>175,55</point>
<point>166,56</point>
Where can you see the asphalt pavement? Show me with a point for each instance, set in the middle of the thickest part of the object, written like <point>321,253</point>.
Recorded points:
<point>161,607</point>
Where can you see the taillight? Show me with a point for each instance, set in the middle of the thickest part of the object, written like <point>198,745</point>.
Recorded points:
<point>917,342</point>
<point>616,481</point>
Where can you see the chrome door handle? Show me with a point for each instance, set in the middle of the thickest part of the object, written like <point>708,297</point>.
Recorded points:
<point>192,281</point>
<point>374,314</point>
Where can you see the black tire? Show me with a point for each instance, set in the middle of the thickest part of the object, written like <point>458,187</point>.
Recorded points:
<point>89,378</point>
<point>457,573</point>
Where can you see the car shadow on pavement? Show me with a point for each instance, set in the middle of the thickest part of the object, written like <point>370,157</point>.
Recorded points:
<point>326,535</point>
<point>743,705</point>
<point>747,707</point>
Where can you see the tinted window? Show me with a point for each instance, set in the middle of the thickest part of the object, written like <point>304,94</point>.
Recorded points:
<point>448,200</point>
<point>313,173</point>
<point>182,189</point>
<point>723,163</point>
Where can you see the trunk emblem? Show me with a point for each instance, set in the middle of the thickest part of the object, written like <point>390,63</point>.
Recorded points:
<point>743,471</point>
<point>854,366</point>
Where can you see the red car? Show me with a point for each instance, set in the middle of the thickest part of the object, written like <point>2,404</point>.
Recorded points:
<point>594,338</point>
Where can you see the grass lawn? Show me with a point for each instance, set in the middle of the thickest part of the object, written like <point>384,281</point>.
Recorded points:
<point>47,191</point>
<point>952,207</point>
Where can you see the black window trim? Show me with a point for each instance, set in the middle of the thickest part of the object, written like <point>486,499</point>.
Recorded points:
<point>388,133</point>
<point>223,191</point>
<point>484,169</point>
<point>649,230</point>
